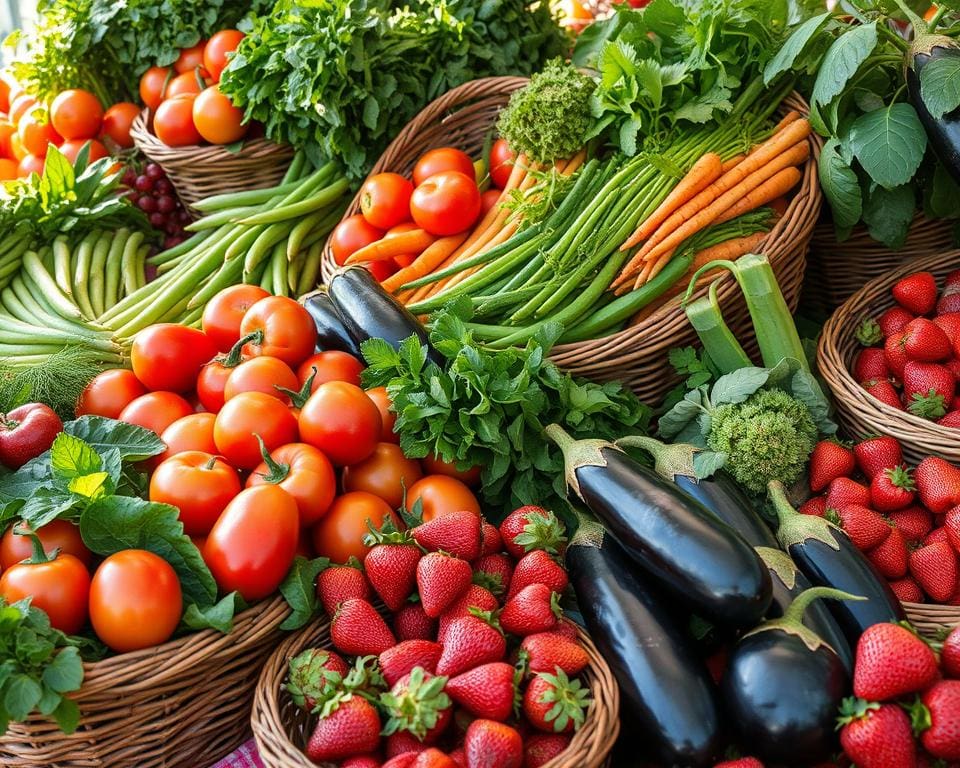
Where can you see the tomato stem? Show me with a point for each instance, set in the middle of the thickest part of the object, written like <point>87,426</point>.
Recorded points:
<point>39,555</point>
<point>299,397</point>
<point>277,472</point>
<point>235,355</point>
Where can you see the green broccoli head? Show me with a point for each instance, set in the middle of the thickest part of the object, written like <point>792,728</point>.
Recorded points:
<point>767,437</point>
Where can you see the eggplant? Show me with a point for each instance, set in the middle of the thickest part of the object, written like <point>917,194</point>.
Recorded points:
<point>944,132</point>
<point>700,560</point>
<point>667,694</point>
<point>369,312</point>
<point>331,333</point>
<point>827,557</point>
<point>783,686</point>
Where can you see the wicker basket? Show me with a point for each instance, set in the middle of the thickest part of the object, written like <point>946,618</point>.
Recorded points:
<point>636,355</point>
<point>859,412</point>
<point>184,704</point>
<point>204,170</point>
<point>282,730</point>
<point>932,620</point>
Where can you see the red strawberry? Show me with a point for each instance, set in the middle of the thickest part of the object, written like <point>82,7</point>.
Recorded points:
<point>895,354</point>
<point>871,363</point>
<point>441,579</point>
<point>554,703</point>
<point>547,651</point>
<point>875,454</point>
<point>877,735</point>
<point>416,703</point>
<point>935,569</point>
<point>493,572</point>
<point>740,762</point>
<point>488,691</point>
<point>433,758</point>
<point>953,365</point>
<point>315,676</point>
<point>907,590</point>
<point>955,403</point>
<point>391,566</point>
<point>490,541</point>
<point>884,391</point>
<point>456,533</point>
<point>540,748</point>
<point>829,461</point>
<point>942,738</point>
<point>537,567</point>
<point>949,322</point>
<point>843,491</point>
<point>916,292</point>
<point>865,527</point>
<point>470,642</point>
<point>402,761</point>
<point>350,727</point>
<point>949,302</point>
<point>566,628</point>
<point>411,623</point>
<point>890,556</point>
<point>891,661</point>
<point>361,761</point>
<point>926,341</point>
<point>927,389</point>
<point>938,483</point>
<point>815,505</point>
<point>914,522</point>
<point>951,527</point>
<point>357,629</point>
<point>533,609</point>
<point>952,419</point>
<point>894,320</point>
<point>404,657</point>
<point>950,654</point>
<point>459,757</point>
<point>403,742</point>
<point>529,528</point>
<point>490,744</point>
<point>937,534</point>
<point>341,582</point>
<point>475,597</point>
<point>892,489</point>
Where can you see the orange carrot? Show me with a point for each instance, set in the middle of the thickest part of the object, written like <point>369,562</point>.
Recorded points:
<point>773,188</point>
<point>425,262</point>
<point>732,163</point>
<point>659,264</point>
<point>791,117</point>
<point>703,173</point>
<point>412,241</point>
<point>502,235</point>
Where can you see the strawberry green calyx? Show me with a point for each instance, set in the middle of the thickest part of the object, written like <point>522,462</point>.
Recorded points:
<point>388,534</point>
<point>310,682</point>
<point>854,708</point>
<point>869,332</point>
<point>792,620</point>
<point>929,406</point>
<point>489,581</point>
<point>364,678</point>
<point>489,617</point>
<point>920,719</point>
<point>900,477</point>
<point>541,531</point>
<point>415,703</point>
<point>568,697</point>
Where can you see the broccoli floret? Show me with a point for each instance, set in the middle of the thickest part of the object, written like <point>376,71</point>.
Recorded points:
<point>767,437</point>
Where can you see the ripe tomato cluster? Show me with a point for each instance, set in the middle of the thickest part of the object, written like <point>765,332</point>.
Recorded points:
<point>187,105</point>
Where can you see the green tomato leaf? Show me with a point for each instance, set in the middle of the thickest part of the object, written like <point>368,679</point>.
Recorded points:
<point>132,442</point>
<point>299,589</point>
<point>218,616</point>
<point>94,485</point>
<point>940,86</point>
<point>71,457</point>
<point>841,188</point>
<point>794,45</point>
<point>842,61</point>
<point>889,143</point>
<point>942,195</point>
<point>46,505</point>
<point>888,214</point>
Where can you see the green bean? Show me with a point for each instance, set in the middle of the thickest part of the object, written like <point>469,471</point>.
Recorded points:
<point>193,318</point>
<point>271,235</point>
<point>220,218</point>
<point>490,304</point>
<point>293,275</point>
<point>111,282</point>
<point>229,274</point>
<point>10,244</point>
<point>9,269</point>
<point>246,237</point>
<point>15,254</point>
<point>301,230</point>
<point>182,248</point>
<point>279,267</point>
<point>98,274</point>
<point>310,270</point>
<point>296,168</point>
<point>140,266</point>
<point>16,308</point>
<point>49,289</point>
<point>522,278</point>
<point>37,303</point>
<point>318,200</point>
<point>128,262</point>
<point>81,272</point>
<point>45,254</point>
<point>266,279</point>
<point>61,264</point>
<point>250,197</point>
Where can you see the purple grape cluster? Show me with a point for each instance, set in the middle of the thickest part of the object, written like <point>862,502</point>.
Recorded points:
<point>152,192</point>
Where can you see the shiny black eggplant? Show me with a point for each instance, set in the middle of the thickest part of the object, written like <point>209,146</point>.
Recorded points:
<point>701,561</point>
<point>782,688</point>
<point>369,312</point>
<point>331,332</point>
<point>943,132</point>
<point>828,558</point>
<point>666,691</point>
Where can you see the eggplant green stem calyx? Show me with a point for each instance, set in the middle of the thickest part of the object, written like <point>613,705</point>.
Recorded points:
<point>668,460</point>
<point>578,453</point>
<point>792,620</point>
<point>795,528</point>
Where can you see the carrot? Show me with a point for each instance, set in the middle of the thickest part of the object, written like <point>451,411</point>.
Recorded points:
<point>703,173</point>
<point>517,176</point>
<point>791,117</point>
<point>732,163</point>
<point>498,237</point>
<point>659,264</point>
<point>574,163</point>
<point>773,188</point>
<point>428,260</point>
<point>412,241</point>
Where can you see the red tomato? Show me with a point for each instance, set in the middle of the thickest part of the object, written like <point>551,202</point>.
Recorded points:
<point>190,433</point>
<point>199,484</point>
<point>247,415</point>
<point>439,160</point>
<point>434,466</point>
<point>71,149</point>
<point>216,119</point>
<point>9,169</point>
<point>191,58</point>
<point>135,600</point>
<point>381,270</point>
<point>215,54</point>
<point>7,130</point>
<point>350,235</point>
<point>58,534</point>
<point>339,535</point>
<point>17,152</point>
<point>20,106</point>
<point>341,421</point>
<point>387,417</point>
<point>446,203</point>
<point>156,410</point>
<point>60,588</point>
<point>331,365</point>
<point>288,330</point>
<point>252,545</point>
<point>387,474</point>
<point>4,95</point>
<point>153,83</point>
<point>261,374</point>
<point>173,122</point>
<point>169,356</point>
<point>224,312</point>
<point>385,200</point>
<point>212,382</point>
<point>108,393</point>
<point>440,495</point>
<point>30,164</point>
<point>117,122</point>
<point>36,133</point>
<point>184,85</point>
<point>76,114</point>
<point>303,472</point>
<point>501,163</point>
<point>488,200</point>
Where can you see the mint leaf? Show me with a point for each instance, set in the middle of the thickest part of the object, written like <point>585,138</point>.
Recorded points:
<point>299,589</point>
<point>940,86</point>
<point>842,61</point>
<point>737,386</point>
<point>794,45</point>
<point>65,672</point>
<point>133,443</point>
<point>218,616</point>
<point>21,694</point>
<point>71,457</point>
<point>841,188</point>
<point>888,214</point>
<point>67,715</point>
<point>805,387</point>
<point>889,143</point>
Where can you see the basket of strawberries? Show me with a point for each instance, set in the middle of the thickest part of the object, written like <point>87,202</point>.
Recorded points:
<point>446,647</point>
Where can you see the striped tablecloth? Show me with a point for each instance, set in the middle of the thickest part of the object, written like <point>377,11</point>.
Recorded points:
<point>244,757</point>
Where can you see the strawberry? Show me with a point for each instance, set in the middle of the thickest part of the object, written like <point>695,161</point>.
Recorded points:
<point>529,528</point>
<point>953,365</point>
<point>869,333</point>
<point>914,522</point>
<point>411,623</point>
<point>402,743</point>
<point>537,567</point>
<point>927,389</point>
<point>951,526</point>
<point>916,293</point>
<point>843,491</point>
<point>815,505</point>
<point>829,461</point>
<point>949,323</point>
<point>490,541</point>
<point>348,726</point>
<point>547,651</point>
<point>949,301</point>
<point>871,363</point>
<point>892,489</point>
<point>391,566</point>
<point>895,354</point>
<point>937,534</point>
<point>459,757</point>
<point>493,572</point>
<point>490,744</point>
<point>877,735</point>
<point>894,320</point>
<point>884,391</point>
<point>540,748</point>
<point>456,533</point>
<point>891,661</point>
<point>740,762</point>
<point>907,590</point>
<point>950,654</point>
<point>865,527</point>
<point>476,598</point>
<point>362,761</point>
<point>404,657</point>
<point>942,737</point>
<point>488,691</point>
<point>935,569</point>
<point>417,703</point>
<point>952,419</point>
<point>357,629</point>
<point>890,556</point>
<point>441,579</point>
<point>938,483</point>
<point>533,609</point>
<point>567,629</point>
<point>875,454</point>
<point>554,703</point>
<point>315,676</point>
<point>470,642</point>
<point>433,758</point>
<point>402,761</point>
<point>926,341</point>
<point>341,582</point>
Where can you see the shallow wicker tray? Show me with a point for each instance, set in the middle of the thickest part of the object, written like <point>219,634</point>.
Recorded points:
<point>184,704</point>
<point>282,730</point>
<point>636,355</point>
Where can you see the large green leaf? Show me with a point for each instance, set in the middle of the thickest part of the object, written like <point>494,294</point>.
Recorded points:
<point>888,213</point>
<point>793,47</point>
<point>889,143</point>
<point>841,187</point>
<point>842,60</point>
<point>940,86</point>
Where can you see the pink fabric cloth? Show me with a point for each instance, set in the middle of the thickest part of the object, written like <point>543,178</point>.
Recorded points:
<point>246,756</point>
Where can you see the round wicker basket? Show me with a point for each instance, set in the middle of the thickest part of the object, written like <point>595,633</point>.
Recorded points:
<point>636,355</point>
<point>931,620</point>
<point>859,412</point>
<point>282,730</point>
<point>184,704</point>
<point>204,170</point>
